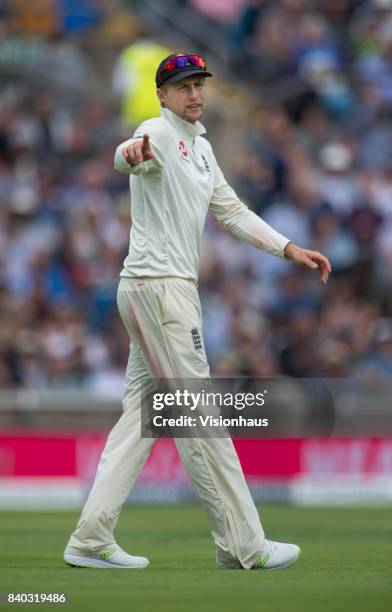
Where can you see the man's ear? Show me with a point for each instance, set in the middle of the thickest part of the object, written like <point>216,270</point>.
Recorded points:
<point>161,96</point>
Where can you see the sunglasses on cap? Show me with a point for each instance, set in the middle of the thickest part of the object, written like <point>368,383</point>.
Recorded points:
<point>174,65</point>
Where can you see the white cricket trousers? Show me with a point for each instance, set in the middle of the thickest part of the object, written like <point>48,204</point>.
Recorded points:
<point>159,315</point>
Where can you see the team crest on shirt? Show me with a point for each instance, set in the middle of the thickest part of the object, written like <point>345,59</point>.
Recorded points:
<point>183,151</point>
<point>206,165</point>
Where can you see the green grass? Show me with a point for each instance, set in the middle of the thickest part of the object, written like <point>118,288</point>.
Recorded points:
<point>345,564</point>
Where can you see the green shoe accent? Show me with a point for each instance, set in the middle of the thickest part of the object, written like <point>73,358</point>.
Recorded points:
<point>105,555</point>
<point>262,561</point>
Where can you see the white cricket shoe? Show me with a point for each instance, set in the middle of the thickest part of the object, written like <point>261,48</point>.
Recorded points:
<point>111,559</point>
<point>276,555</point>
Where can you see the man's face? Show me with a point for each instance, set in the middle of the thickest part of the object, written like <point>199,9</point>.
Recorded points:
<point>185,98</point>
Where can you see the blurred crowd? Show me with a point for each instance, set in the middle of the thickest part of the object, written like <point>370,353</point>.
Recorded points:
<point>317,166</point>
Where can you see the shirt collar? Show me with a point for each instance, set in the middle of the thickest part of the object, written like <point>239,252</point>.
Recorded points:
<point>183,127</point>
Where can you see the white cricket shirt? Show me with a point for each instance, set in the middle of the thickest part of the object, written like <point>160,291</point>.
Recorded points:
<point>171,195</point>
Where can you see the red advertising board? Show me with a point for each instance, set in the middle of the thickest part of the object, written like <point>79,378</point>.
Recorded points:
<point>50,457</point>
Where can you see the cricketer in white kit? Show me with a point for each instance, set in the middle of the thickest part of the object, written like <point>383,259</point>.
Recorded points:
<point>175,180</point>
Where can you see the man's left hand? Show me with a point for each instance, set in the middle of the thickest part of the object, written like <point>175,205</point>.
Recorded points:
<point>313,260</point>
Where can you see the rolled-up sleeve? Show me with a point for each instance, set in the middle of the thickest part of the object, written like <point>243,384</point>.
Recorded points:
<point>236,217</point>
<point>157,143</point>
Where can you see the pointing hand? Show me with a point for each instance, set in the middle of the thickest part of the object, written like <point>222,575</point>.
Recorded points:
<point>138,151</point>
